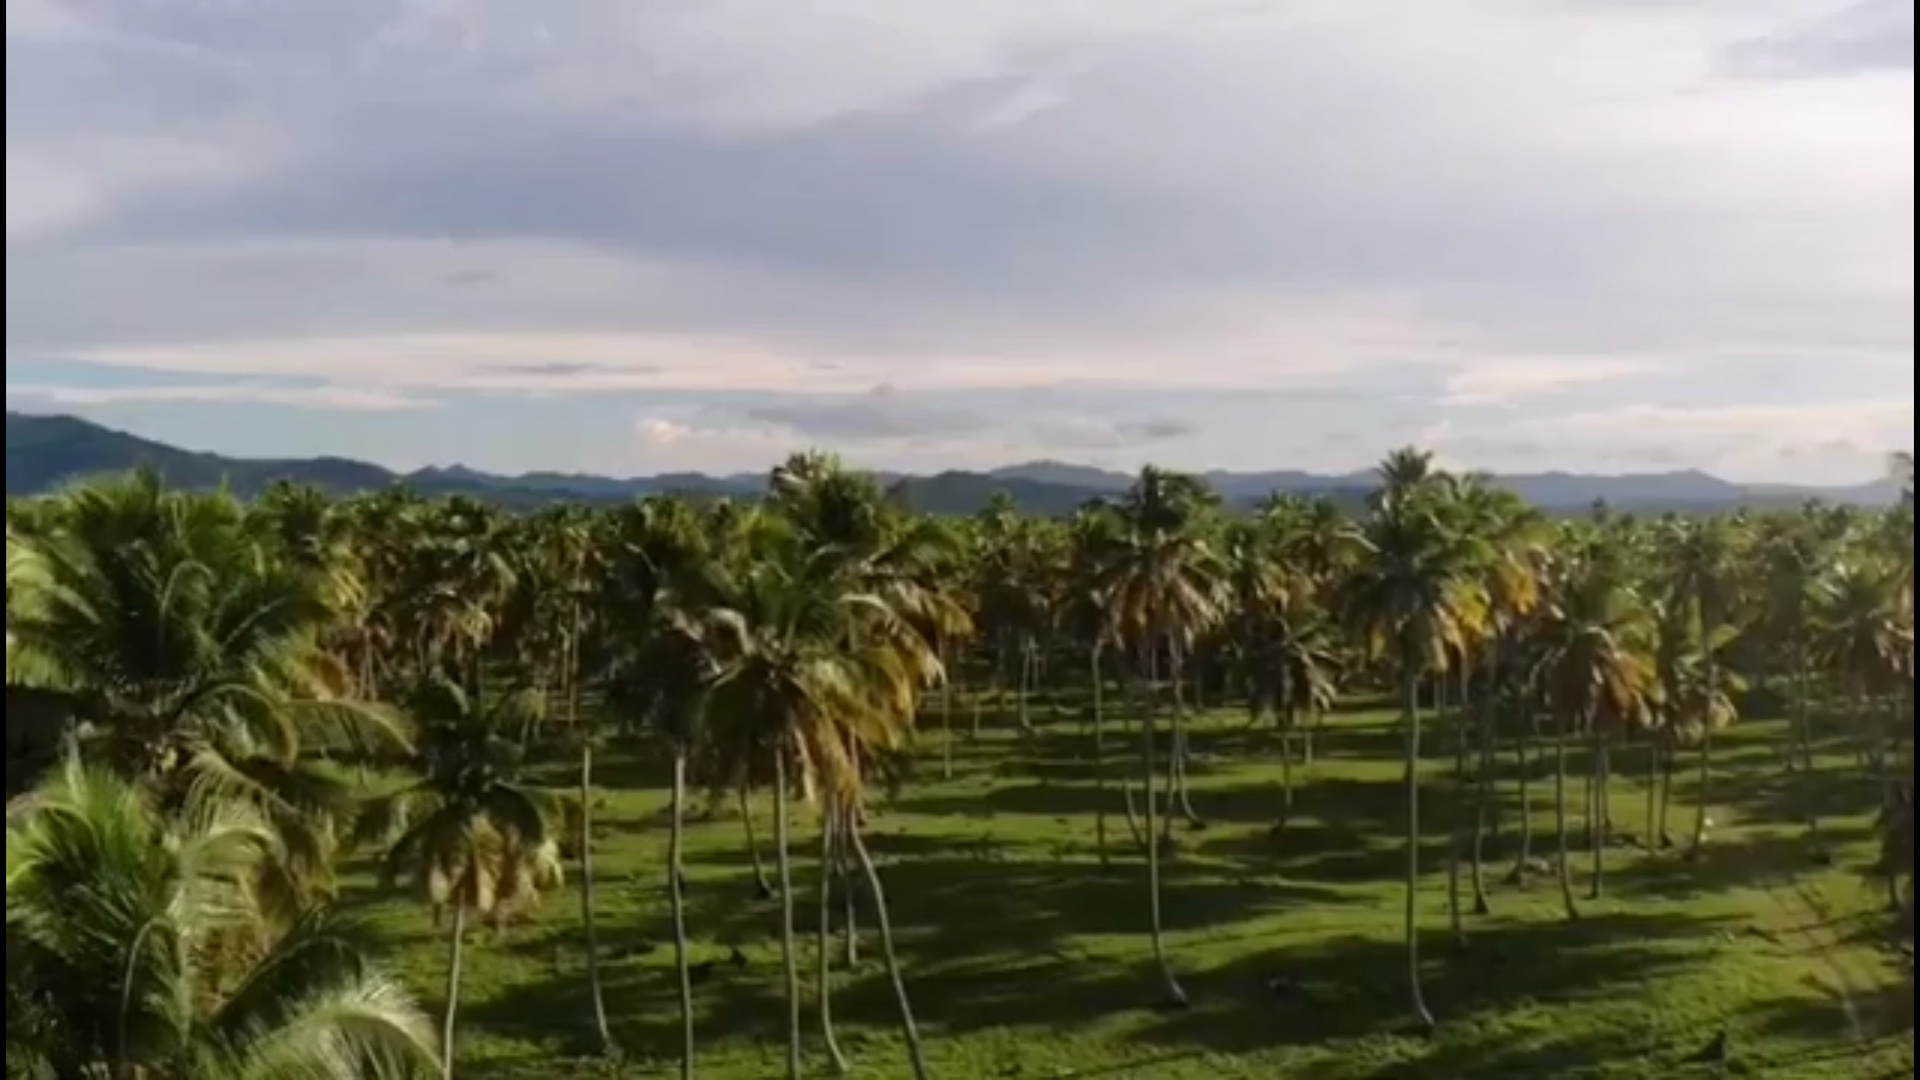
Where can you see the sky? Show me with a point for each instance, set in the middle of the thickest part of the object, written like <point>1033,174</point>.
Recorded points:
<point>634,236</point>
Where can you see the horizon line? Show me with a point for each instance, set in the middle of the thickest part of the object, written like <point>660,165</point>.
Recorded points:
<point>1885,477</point>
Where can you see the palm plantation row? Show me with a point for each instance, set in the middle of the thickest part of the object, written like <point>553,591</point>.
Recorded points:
<point>220,698</point>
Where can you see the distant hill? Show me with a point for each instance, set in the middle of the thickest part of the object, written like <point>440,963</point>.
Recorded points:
<point>45,453</point>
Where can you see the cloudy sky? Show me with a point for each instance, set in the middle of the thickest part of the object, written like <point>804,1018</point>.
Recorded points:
<point>639,235</point>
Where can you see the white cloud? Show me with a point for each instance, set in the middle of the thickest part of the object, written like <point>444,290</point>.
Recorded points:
<point>344,398</point>
<point>1504,382</point>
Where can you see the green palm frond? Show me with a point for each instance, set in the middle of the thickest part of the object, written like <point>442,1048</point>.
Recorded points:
<point>141,940</point>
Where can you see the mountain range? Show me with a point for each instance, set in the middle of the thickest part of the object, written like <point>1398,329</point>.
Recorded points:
<point>46,452</point>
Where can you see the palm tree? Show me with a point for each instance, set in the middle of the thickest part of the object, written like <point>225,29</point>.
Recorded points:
<point>468,835</point>
<point>1793,554</point>
<point>189,657</point>
<point>818,672</point>
<point>1416,600</point>
<point>1517,542</point>
<point>1862,635</point>
<point>662,662</point>
<point>144,943</point>
<point>1598,678</point>
<point>1166,591</point>
<point>1097,536</point>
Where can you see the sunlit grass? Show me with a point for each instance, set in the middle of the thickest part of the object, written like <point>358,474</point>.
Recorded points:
<point>1026,958</point>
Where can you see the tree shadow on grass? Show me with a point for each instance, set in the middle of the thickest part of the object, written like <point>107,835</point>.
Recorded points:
<point>1354,987</point>
<point>1819,1025</point>
<point>1729,863</point>
<point>988,956</point>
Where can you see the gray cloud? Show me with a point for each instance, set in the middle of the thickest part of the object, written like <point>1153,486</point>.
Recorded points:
<point>1354,205</point>
<point>881,413</point>
<point>559,369</point>
<point>885,414</point>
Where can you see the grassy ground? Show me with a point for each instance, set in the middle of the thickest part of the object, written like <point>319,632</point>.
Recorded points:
<point>1026,958</point>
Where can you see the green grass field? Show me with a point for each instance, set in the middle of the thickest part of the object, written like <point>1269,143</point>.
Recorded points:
<point>1025,958</point>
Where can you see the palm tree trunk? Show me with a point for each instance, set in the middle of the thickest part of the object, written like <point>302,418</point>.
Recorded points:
<point>916,1054</point>
<point>1099,761</point>
<point>823,953</point>
<point>1180,749</point>
<point>946,726</point>
<point>1560,815</point>
<point>594,989</point>
<point>1457,807</point>
<point>1175,995</point>
<point>784,860</point>
<point>1523,739</point>
<point>1653,789</point>
<point>676,897</point>
<point>1483,799</point>
<point>1590,814</point>
<point>761,885</point>
<point>1023,700</point>
<point>1130,691</point>
<point>1700,791</point>
<point>849,909</point>
<point>1597,839</point>
<point>1669,758</point>
<point>1286,776</point>
<point>454,959</point>
<point>1411,691</point>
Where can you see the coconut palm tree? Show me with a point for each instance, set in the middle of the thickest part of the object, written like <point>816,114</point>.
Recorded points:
<point>1415,600</point>
<point>189,656</point>
<point>468,835</point>
<point>662,665</point>
<point>1166,588</point>
<point>817,673</point>
<point>1097,535</point>
<point>147,943</point>
<point>1862,635</point>
<point>1598,676</point>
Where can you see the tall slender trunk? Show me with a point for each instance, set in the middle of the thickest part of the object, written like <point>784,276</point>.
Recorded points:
<point>1024,699</point>
<point>761,885</point>
<point>1669,758</point>
<point>946,724</point>
<point>1590,814</point>
<point>1809,781</point>
<point>1456,809</point>
<point>784,860</point>
<point>1099,760</point>
<point>1560,814</point>
<point>1483,793</point>
<point>455,957</point>
<point>1175,995</point>
<point>849,908</point>
<point>1286,776</point>
<point>1523,741</point>
<point>1597,840</point>
<point>1700,791</point>
<point>1176,661</point>
<point>1411,691</point>
<point>823,953</point>
<point>594,989</point>
<point>1653,789</point>
<point>883,920</point>
<point>676,896</point>
<point>1130,689</point>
